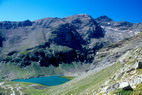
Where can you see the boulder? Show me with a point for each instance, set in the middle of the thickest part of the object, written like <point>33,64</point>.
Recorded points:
<point>125,86</point>
<point>138,65</point>
<point>136,80</point>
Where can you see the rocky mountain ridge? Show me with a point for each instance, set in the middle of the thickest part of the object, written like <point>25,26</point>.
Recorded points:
<point>106,56</point>
<point>53,41</point>
<point>117,31</point>
<point>28,34</point>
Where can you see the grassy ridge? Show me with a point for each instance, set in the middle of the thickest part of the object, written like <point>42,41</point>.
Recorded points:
<point>87,85</point>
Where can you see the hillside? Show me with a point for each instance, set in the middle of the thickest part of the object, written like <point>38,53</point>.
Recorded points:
<point>103,55</point>
<point>120,76</point>
<point>113,79</point>
<point>103,79</point>
<point>49,46</point>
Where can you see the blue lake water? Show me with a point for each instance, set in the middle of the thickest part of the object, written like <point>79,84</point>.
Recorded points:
<point>49,81</point>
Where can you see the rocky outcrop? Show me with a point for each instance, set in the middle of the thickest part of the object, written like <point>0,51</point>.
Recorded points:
<point>14,25</point>
<point>138,65</point>
<point>118,31</point>
<point>86,26</point>
<point>66,35</point>
<point>103,19</point>
<point>126,78</point>
<point>1,40</point>
<point>25,23</point>
<point>125,86</point>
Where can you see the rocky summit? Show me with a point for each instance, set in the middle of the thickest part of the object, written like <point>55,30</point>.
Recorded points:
<point>103,55</point>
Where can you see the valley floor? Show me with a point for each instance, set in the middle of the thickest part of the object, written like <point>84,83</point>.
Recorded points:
<point>82,85</point>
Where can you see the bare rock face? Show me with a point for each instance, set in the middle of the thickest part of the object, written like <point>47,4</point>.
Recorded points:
<point>1,40</point>
<point>25,23</point>
<point>86,26</point>
<point>104,18</point>
<point>118,31</point>
<point>27,34</point>
<point>66,35</point>
<point>13,25</point>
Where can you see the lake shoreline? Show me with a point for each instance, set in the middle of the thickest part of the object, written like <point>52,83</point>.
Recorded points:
<point>48,80</point>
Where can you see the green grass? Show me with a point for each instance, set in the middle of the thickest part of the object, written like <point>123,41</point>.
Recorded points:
<point>123,92</point>
<point>79,86</point>
<point>139,71</point>
<point>69,77</point>
<point>26,52</point>
<point>88,84</point>
<point>25,88</point>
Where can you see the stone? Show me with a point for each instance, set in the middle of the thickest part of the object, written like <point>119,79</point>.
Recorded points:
<point>137,80</point>
<point>104,89</point>
<point>113,87</point>
<point>125,86</point>
<point>1,83</point>
<point>138,65</point>
<point>134,87</point>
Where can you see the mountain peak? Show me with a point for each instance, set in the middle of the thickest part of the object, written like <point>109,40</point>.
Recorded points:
<point>79,16</point>
<point>104,18</point>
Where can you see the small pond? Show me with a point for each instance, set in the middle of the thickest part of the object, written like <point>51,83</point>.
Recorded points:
<point>49,81</point>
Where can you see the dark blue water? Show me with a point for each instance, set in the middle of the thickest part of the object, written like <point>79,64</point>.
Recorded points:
<point>49,81</point>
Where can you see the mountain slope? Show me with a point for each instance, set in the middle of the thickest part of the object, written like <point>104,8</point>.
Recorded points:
<point>28,34</point>
<point>128,79</point>
<point>118,31</point>
<point>113,68</point>
<point>49,41</point>
<point>128,52</point>
<point>62,42</point>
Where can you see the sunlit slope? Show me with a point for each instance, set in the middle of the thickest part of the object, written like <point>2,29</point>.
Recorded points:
<point>85,84</point>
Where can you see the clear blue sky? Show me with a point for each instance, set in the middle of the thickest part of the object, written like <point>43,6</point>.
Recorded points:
<point>119,10</point>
